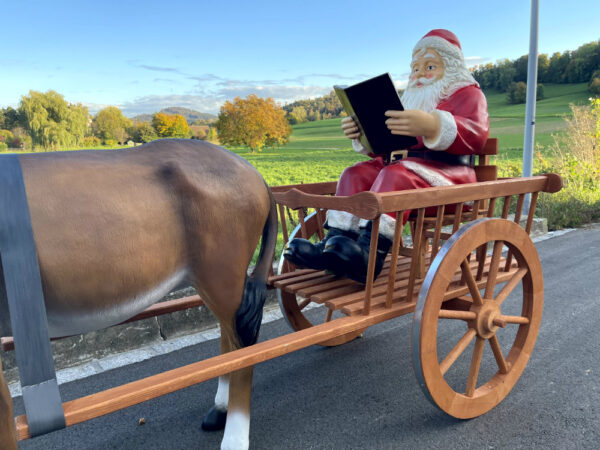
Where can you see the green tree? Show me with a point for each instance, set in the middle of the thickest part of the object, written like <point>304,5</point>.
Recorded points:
<point>506,75</point>
<point>51,121</point>
<point>543,68</point>
<point>11,118</point>
<point>517,93</point>
<point>520,65</point>
<point>298,115</point>
<point>6,137</point>
<point>212,135</point>
<point>594,86</point>
<point>143,132</point>
<point>111,125</point>
<point>253,122</point>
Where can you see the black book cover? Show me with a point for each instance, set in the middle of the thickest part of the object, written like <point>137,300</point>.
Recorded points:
<point>366,102</point>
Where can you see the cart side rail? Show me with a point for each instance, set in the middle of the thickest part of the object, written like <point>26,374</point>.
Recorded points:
<point>369,205</point>
<point>480,197</point>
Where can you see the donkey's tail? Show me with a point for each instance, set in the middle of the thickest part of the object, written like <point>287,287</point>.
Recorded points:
<point>249,315</point>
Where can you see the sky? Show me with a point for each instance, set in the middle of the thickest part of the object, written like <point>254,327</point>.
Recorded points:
<point>145,56</point>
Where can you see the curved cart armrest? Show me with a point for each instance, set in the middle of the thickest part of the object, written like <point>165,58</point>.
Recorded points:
<point>366,205</point>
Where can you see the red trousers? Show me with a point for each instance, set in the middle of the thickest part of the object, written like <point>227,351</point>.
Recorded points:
<point>373,175</point>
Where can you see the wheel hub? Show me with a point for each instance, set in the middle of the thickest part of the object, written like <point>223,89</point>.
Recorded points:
<point>484,322</point>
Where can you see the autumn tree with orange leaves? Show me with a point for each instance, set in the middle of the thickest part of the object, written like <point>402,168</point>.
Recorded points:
<point>253,122</point>
<point>170,125</point>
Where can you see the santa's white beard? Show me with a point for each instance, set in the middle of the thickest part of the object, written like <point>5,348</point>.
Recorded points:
<point>425,98</point>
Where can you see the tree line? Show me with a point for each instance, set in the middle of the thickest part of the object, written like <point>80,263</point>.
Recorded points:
<point>576,66</point>
<point>319,108</point>
<point>45,120</point>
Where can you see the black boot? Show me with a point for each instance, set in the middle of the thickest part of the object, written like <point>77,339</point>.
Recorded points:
<point>303,253</point>
<point>348,258</point>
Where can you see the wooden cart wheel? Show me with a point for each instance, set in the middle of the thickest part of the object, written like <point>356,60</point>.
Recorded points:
<point>452,312</point>
<point>293,307</point>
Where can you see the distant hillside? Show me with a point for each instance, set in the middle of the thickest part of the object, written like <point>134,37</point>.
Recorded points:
<point>190,115</point>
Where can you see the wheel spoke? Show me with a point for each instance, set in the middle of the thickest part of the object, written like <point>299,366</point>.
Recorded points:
<point>475,364</point>
<point>473,289</point>
<point>512,283</point>
<point>514,319</point>
<point>502,365</point>
<point>453,314</point>
<point>457,350</point>
<point>493,272</point>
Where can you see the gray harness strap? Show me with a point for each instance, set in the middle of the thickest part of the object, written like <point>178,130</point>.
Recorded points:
<point>23,283</point>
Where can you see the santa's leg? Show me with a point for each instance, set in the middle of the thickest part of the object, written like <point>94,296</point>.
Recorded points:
<point>350,258</point>
<point>354,179</point>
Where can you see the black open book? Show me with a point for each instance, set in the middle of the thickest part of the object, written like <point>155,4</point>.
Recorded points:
<point>366,102</point>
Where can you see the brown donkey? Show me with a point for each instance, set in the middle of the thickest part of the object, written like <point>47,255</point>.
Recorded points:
<point>117,230</point>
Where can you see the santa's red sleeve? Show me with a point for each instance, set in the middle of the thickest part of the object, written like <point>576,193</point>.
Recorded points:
<point>464,122</point>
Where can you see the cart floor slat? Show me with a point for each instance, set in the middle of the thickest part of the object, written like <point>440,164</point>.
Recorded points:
<point>348,296</point>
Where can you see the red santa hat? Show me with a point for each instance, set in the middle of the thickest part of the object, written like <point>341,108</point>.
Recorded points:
<point>443,41</point>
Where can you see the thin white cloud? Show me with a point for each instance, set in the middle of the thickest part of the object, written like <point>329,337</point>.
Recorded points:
<point>211,91</point>
<point>476,60</point>
<point>154,103</point>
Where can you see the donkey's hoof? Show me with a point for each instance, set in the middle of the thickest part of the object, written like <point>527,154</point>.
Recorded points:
<point>214,420</point>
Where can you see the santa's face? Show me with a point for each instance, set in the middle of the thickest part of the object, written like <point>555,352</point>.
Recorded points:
<point>427,66</point>
<point>426,82</point>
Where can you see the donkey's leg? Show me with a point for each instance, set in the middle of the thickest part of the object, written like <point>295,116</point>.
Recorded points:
<point>237,427</point>
<point>8,437</point>
<point>215,418</point>
<point>223,297</point>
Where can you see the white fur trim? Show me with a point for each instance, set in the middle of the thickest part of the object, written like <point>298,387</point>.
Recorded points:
<point>447,134</point>
<point>439,44</point>
<point>387,226</point>
<point>358,148</point>
<point>342,220</point>
<point>431,176</point>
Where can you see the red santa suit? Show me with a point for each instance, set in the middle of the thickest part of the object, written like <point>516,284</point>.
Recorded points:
<point>464,130</point>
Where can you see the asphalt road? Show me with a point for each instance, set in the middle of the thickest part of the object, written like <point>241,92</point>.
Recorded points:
<point>364,395</point>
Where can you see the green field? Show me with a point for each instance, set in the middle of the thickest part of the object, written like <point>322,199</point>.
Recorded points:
<point>318,151</point>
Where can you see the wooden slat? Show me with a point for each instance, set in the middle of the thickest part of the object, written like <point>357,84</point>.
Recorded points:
<point>299,278</point>
<point>324,287</point>
<point>486,173</point>
<point>435,196</point>
<point>365,205</point>
<point>490,147</point>
<point>312,282</point>
<point>284,276</point>
<point>111,400</point>
<point>325,188</point>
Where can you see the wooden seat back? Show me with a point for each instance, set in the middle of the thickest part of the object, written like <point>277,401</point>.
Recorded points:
<point>483,170</point>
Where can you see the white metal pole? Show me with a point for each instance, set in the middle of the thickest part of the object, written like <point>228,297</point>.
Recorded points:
<point>532,66</point>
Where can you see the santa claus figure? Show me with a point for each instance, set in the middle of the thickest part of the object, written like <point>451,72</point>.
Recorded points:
<point>447,113</point>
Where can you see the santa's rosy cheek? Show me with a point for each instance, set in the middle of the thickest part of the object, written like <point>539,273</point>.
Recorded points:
<point>413,78</point>
<point>429,75</point>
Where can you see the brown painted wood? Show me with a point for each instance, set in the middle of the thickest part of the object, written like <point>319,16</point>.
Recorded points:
<point>99,404</point>
<point>364,204</point>
<point>435,196</point>
<point>325,188</point>
<point>490,147</point>
<point>394,258</point>
<point>486,173</point>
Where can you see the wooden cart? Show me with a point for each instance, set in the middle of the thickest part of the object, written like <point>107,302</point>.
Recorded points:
<point>457,290</point>
<point>441,277</point>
